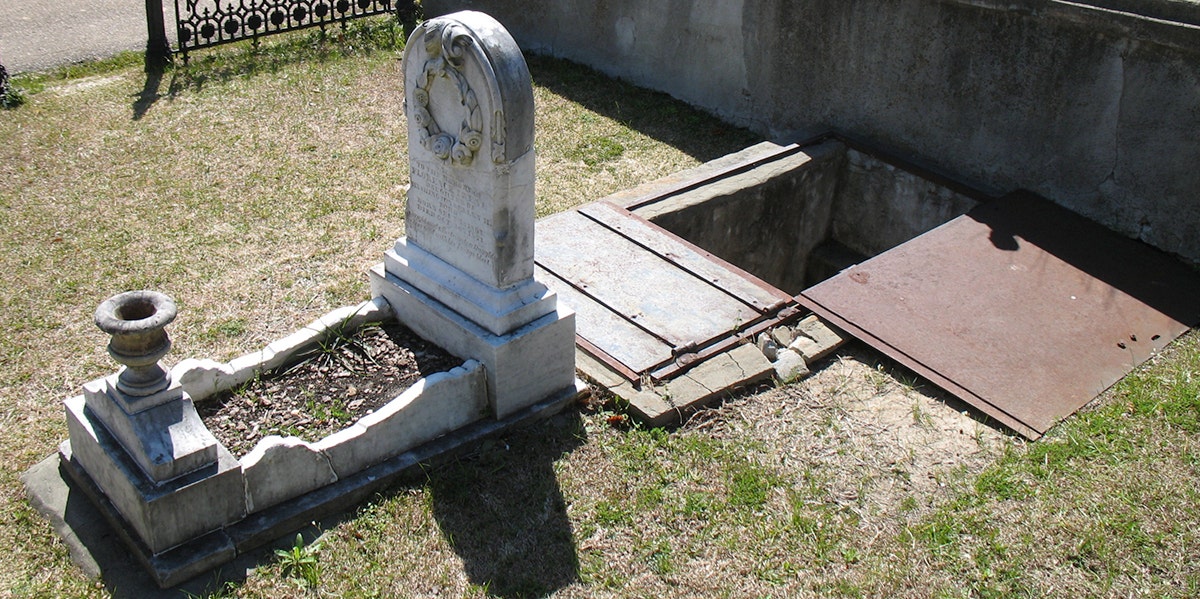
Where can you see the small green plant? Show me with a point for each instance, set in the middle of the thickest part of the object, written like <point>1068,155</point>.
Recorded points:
<point>227,329</point>
<point>597,150</point>
<point>660,559</point>
<point>920,418</point>
<point>880,381</point>
<point>328,410</point>
<point>216,589</point>
<point>749,485</point>
<point>697,504</point>
<point>612,513</point>
<point>300,562</point>
<point>12,97</point>
<point>344,338</point>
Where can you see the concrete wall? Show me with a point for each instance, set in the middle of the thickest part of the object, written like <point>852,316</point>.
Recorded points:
<point>1094,108</point>
<point>879,206</point>
<point>767,220</point>
<point>797,217</point>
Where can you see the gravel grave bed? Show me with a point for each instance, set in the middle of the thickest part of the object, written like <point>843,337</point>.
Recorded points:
<point>331,387</point>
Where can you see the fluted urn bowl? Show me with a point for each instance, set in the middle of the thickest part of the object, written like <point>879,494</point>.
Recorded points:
<point>137,322</point>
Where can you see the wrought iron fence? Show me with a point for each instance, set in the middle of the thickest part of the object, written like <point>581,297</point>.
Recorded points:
<point>205,23</point>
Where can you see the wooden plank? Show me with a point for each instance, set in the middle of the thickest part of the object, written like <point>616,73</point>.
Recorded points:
<point>640,286</point>
<point>605,329</point>
<point>727,277</point>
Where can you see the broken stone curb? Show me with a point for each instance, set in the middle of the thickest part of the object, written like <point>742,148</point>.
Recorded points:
<point>668,403</point>
<point>278,470</point>
<point>790,366</point>
<point>51,481</point>
<point>202,378</point>
<point>816,339</point>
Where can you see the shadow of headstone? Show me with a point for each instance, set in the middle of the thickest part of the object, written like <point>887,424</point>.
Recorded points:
<point>99,551</point>
<point>503,513</point>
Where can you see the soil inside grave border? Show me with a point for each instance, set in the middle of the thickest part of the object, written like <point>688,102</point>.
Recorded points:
<point>326,388</point>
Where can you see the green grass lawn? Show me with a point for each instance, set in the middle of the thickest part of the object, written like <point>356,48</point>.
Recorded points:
<point>256,187</point>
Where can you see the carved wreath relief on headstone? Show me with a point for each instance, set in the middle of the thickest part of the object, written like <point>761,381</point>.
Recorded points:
<point>447,44</point>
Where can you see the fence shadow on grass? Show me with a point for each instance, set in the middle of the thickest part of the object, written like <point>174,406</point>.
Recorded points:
<point>651,113</point>
<point>502,510</point>
<point>245,59</point>
<point>156,67</point>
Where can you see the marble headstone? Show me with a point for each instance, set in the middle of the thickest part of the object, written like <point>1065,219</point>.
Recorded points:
<point>463,276</point>
<point>470,212</point>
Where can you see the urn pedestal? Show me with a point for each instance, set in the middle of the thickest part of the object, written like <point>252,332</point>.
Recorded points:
<point>137,439</point>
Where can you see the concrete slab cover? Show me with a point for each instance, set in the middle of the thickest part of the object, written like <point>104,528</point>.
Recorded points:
<point>1021,308</point>
<point>648,300</point>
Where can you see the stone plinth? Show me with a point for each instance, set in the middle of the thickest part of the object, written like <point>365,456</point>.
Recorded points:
<point>523,366</point>
<point>166,440</point>
<point>162,513</point>
<point>137,437</point>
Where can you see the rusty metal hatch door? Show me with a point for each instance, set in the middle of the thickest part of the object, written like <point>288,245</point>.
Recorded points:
<point>1021,308</point>
<point>649,303</point>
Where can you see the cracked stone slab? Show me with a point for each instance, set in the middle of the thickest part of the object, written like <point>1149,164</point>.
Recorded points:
<point>708,382</point>
<point>668,404</point>
<point>280,468</point>
<point>816,339</point>
<point>740,366</point>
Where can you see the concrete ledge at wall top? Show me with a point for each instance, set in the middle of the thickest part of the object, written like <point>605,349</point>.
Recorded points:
<point>1173,23</point>
<point>1181,11</point>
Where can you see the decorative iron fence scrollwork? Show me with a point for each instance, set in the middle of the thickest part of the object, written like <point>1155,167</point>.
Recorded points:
<point>204,23</point>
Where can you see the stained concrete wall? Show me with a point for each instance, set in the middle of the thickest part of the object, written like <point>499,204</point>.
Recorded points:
<point>767,220</point>
<point>1095,108</point>
<point>879,205</point>
<point>800,215</point>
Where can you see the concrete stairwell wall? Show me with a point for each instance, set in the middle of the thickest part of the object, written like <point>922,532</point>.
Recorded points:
<point>1084,103</point>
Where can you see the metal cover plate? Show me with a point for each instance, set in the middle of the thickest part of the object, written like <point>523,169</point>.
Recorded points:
<point>1021,308</point>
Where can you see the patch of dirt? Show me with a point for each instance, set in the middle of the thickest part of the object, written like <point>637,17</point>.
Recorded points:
<point>333,386</point>
<point>877,432</point>
<point>86,83</point>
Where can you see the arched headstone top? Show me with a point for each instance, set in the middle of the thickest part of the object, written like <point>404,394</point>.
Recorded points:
<point>467,91</point>
<point>469,102</point>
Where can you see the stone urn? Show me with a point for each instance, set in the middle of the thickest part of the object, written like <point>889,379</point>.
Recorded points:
<point>137,321</point>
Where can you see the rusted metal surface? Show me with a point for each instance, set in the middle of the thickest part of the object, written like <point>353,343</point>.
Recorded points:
<point>616,365</point>
<point>687,357</point>
<point>649,303</point>
<point>1020,308</point>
